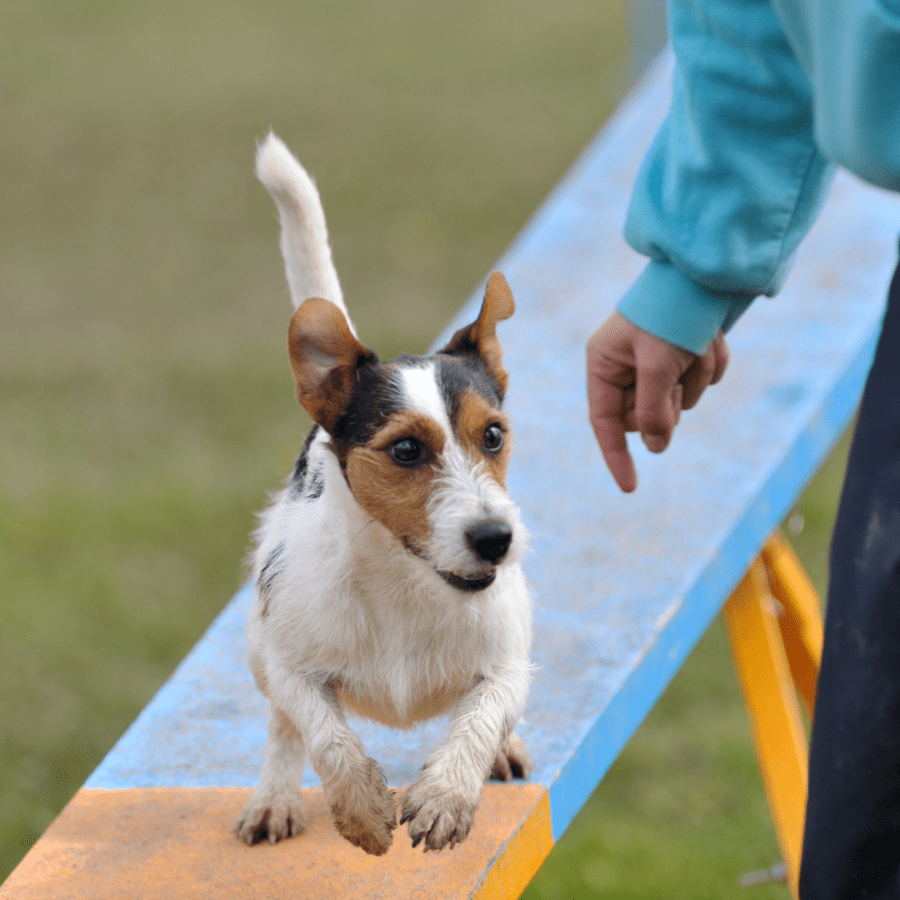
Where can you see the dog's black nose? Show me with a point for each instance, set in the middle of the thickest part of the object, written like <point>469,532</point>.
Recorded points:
<point>490,539</point>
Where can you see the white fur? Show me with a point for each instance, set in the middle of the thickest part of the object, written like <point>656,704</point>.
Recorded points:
<point>304,243</point>
<point>345,618</point>
<point>463,495</point>
<point>353,605</point>
<point>420,393</point>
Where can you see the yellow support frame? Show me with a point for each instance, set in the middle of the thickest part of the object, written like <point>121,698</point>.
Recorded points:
<point>774,624</point>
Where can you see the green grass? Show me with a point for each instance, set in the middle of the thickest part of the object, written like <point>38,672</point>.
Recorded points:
<point>145,398</point>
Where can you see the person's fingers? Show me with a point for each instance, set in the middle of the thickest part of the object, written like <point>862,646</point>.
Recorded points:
<point>703,371</point>
<point>611,400</point>
<point>697,379</point>
<point>637,382</point>
<point>658,399</point>
<point>609,413</point>
<point>610,434</point>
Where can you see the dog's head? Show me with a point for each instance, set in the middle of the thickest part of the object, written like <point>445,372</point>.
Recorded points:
<point>422,441</point>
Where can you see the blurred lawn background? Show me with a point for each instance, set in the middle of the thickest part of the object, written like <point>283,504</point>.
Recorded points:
<point>146,404</point>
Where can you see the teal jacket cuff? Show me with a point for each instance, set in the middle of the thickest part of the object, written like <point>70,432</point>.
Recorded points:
<point>672,306</point>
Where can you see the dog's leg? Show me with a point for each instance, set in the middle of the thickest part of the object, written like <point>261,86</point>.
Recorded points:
<point>512,761</point>
<point>362,807</point>
<point>440,806</point>
<point>275,810</point>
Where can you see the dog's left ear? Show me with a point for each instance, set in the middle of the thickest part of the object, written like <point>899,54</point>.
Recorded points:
<point>481,336</point>
<point>325,358</point>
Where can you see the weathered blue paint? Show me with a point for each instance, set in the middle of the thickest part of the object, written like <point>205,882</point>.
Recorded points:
<point>667,650</point>
<point>624,586</point>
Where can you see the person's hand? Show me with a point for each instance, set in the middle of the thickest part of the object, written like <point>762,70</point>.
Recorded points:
<point>638,382</point>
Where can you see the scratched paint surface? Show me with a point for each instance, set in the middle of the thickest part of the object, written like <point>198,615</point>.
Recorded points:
<point>623,586</point>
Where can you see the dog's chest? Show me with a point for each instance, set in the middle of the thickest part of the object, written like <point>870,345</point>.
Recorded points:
<point>400,667</point>
<point>398,708</point>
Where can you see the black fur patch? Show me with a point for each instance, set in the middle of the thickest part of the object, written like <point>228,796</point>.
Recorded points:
<point>268,575</point>
<point>458,373</point>
<point>298,486</point>
<point>376,397</point>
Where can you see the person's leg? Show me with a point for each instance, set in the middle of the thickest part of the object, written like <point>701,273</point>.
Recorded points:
<point>852,839</point>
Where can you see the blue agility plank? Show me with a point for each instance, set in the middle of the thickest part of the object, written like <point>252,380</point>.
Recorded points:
<point>624,585</point>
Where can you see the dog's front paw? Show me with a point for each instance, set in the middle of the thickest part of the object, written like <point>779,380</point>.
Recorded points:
<point>364,812</point>
<point>513,762</point>
<point>271,816</point>
<point>439,818</point>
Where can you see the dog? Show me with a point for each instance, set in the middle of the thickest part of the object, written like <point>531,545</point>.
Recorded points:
<point>386,572</point>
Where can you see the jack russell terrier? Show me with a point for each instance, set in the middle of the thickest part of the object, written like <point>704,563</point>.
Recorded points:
<point>386,572</point>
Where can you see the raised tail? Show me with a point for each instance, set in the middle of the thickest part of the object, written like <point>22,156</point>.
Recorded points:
<point>304,234</point>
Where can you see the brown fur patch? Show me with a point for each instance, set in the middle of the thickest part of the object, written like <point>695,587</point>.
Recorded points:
<point>473,418</point>
<point>324,357</point>
<point>481,335</point>
<point>395,495</point>
<point>426,706</point>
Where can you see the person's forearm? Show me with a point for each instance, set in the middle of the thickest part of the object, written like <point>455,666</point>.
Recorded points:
<point>733,180</point>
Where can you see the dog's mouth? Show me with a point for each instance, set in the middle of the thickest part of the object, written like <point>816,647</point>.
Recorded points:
<point>469,585</point>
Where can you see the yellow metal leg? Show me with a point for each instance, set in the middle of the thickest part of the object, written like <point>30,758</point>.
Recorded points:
<point>775,629</point>
<point>801,622</point>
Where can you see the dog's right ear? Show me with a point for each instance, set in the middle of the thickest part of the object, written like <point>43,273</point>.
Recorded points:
<point>325,357</point>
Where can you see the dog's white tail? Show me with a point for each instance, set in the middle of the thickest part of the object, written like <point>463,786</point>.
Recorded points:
<point>304,235</point>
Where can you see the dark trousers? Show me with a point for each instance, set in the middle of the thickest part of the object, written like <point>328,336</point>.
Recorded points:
<point>852,842</point>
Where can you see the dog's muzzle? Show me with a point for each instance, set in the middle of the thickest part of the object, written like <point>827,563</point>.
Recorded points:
<point>490,540</point>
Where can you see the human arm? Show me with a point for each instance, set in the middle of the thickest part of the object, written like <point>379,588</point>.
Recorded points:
<point>729,187</point>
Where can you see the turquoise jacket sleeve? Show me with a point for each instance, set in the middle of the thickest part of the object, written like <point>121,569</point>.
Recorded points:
<point>851,48</point>
<point>738,171</point>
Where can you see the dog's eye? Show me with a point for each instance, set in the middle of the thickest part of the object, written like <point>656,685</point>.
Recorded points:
<point>493,439</point>
<point>406,452</point>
